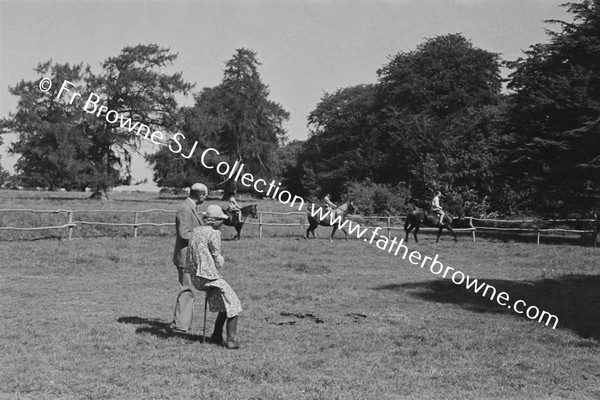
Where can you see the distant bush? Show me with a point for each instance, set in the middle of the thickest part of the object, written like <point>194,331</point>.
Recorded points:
<point>378,199</point>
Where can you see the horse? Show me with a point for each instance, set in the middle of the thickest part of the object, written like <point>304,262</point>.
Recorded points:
<point>248,211</point>
<point>341,211</point>
<point>418,218</point>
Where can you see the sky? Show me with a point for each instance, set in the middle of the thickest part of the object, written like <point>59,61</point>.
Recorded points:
<point>306,47</point>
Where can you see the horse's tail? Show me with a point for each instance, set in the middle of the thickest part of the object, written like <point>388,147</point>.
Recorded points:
<point>407,222</point>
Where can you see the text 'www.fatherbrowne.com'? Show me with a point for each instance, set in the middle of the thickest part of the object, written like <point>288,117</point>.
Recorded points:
<point>395,247</point>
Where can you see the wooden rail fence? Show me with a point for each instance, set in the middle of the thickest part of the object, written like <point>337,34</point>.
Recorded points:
<point>73,223</point>
<point>300,220</point>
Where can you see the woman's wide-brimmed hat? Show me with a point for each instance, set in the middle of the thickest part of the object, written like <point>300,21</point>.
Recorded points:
<point>215,212</point>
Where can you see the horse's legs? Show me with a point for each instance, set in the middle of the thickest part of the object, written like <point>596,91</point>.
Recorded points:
<point>452,232</point>
<point>439,234</point>
<point>343,230</point>
<point>415,234</point>
<point>238,228</point>
<point>311,228</point>
<point>335,227</point>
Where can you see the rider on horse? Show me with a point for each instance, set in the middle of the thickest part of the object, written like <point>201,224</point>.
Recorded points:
<point>235,207</point>
<point>436,207</point>
<point>328,203</point>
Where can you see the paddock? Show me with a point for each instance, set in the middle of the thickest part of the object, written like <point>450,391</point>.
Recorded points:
<point>87,318</point>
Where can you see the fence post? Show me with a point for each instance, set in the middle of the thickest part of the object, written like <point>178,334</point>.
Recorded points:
<point>538,236</point>
<point>260,225</point>
<point>135,228</point>
<point>388,227</point>
<point>472,227</point>
<point>70,225</point>
<point>595,234</point>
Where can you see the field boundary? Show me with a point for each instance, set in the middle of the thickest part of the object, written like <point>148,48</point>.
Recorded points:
<point>300,220</point>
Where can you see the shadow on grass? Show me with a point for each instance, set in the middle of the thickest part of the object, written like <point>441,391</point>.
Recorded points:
<point>158,328</point>
<point>530,237</point>
<point>574,299</point>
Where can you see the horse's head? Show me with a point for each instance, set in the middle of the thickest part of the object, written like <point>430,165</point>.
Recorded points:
<point>347,208</point>
<point>351,207</point>
<point>253,212</point>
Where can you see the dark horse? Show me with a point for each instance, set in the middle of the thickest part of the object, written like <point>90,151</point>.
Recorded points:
<point>419,218</point>
<point>248,211</point>
<point>341,211</point>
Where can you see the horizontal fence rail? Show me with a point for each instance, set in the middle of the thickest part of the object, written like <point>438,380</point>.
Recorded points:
<point>299,219</point>
<point>71,223</point>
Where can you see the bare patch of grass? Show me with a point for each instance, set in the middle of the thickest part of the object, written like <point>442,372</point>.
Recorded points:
<point>302,267</point>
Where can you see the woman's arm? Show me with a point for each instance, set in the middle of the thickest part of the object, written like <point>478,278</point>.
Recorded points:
<point>214,246</point>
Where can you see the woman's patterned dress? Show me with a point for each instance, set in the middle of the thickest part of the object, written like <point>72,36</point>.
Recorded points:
<point>203,259</point>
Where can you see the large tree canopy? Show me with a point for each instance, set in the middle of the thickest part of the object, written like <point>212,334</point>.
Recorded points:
<point>342,141</point>
<point>443,76</point>
<point>237,118</point>
<point>53,144</point>
<point>427,123</point>
<point>62,145</point>
<point>134,85</point>
<point>552,145</point>
<point>253,129</point>
<point>438,105</point>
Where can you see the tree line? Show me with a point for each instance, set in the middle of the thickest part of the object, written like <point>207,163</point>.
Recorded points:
<point>439,117</point>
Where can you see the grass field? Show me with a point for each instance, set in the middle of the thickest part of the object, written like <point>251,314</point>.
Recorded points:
<point>87,319</point>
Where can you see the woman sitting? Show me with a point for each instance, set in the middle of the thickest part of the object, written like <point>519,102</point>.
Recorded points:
<point>203,259</point>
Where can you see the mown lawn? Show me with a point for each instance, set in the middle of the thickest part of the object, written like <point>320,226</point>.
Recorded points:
<point>86,319</point>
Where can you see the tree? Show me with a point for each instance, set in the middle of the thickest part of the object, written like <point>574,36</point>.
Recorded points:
<point>235,117</point>
<point>342,141</point>
<point>438,108</point>
<point>551,147</point>
<point>443,76</point>
<point>253,125</point>
<point>4,177</point>
<point>66,142</point>
<point>290,169</point>
<point>428,123</point>
<point>133,85</point>
<point>200,123</point>
<point>52,144</point>
<point>1,143</point>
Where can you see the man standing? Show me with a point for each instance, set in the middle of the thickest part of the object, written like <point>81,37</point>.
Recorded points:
<point>436,207</point>
<point>186,220</point>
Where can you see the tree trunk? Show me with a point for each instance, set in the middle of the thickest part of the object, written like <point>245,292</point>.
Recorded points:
<point>229,188</point>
